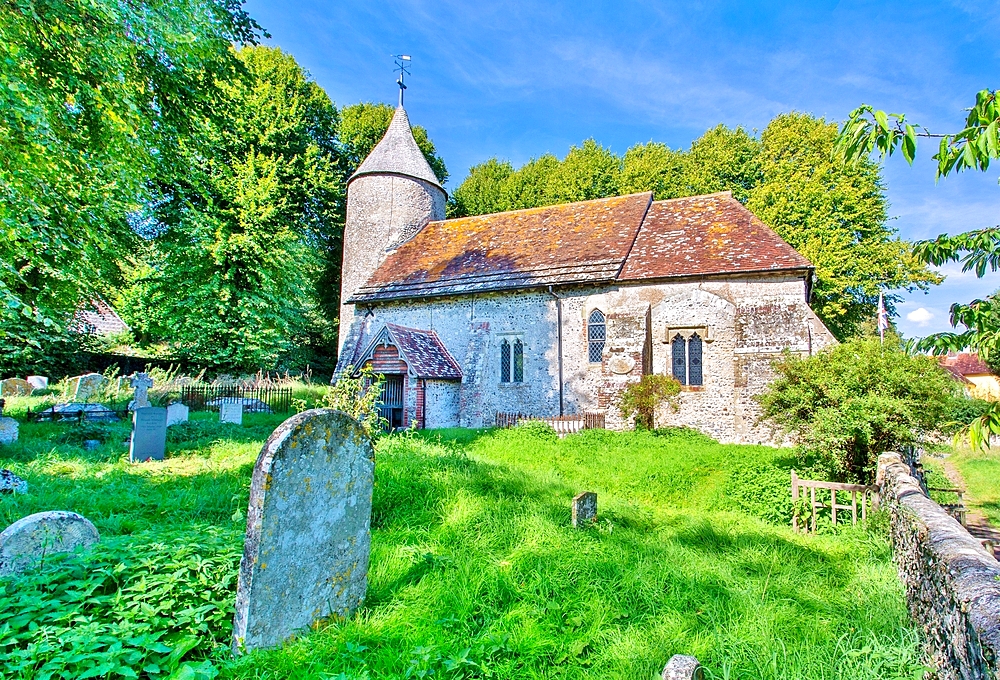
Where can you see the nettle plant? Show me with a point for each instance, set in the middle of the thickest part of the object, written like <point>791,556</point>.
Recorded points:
<point>357,393</point>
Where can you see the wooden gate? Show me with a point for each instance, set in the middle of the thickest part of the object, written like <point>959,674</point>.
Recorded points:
<point>800,485</point>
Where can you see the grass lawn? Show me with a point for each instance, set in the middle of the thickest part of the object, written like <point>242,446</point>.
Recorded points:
<point>475,570</point>
<point>981,471</point>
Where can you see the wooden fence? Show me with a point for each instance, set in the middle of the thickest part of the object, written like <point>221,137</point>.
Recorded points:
<point>868,494</point>
<point>563,425</point>
<point>204,397</point>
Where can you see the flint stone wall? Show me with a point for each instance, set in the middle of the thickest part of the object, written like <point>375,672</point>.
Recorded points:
<point>305,556</point>
<point>952,583</point>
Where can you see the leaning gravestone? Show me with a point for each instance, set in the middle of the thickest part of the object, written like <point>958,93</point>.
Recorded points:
<point>177,413</point>
<point>88,385</point>
<point>149,434</point>
<point>584,509</point>
<point>231,412</point>
<point>26,542</point>
<point>305,556</point>
<point>15,387</point>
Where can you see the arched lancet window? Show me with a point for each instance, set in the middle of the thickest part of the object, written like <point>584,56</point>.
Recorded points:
<point>504,361</point>
<point>679,359</point>
<point>596,334</point>
<point>694,360</point>
<point>518,361</point>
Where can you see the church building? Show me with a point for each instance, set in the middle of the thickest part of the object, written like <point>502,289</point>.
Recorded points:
<point>554,311</point>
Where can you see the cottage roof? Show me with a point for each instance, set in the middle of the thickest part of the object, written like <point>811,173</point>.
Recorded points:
<point>965,363</point>
<point>422,351</point>
<point>398,154</point>
<point>624,238</point>
<point>97,318</point>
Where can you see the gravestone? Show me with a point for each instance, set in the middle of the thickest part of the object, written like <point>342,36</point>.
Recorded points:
<point>88,385</point>
<point>141,382</point>
<point>11,483</point>
<point>149,434</point>
<point>177,413</point>
<point>8,427</point>
<point>38,382</point>
<point>305,556</point>
<point>15,387</point>
<point>26,542</point>
<point>681,667</point>
<point>584,509</point>
<point>231,412</point>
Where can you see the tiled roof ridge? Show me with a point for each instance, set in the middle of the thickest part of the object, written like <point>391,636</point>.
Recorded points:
<point>727,192</point>
<point>539,208</point>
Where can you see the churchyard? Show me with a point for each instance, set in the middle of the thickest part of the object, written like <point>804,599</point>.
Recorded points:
<point>475,569</point>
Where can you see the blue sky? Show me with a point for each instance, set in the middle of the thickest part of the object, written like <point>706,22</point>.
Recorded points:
<point>516,80</point>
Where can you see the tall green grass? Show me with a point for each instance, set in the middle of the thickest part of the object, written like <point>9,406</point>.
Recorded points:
<point>475,569</point>
<point>981,471</point>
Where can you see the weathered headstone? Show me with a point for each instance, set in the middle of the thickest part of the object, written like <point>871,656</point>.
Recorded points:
<point>88,385</point>
<point>305,556</point>
<point>8,427</point>
<point>141,382</point>
<point>584,509</point>
<point>149,434</point>
<point>231,412</point>
<point>681,667</point>
<point>26,542</point>
<point>177,413</point>
<point>11,483</point>
<point>15,387</point>
<point>38,382</point>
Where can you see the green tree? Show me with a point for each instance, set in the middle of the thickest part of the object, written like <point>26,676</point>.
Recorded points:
<point>94,98</point>
<point>234,267</point>
<point>652,167</point>
<point>834,215</point>
<point>482,191</point>
<point>854,401</point>
<point>362,126</point>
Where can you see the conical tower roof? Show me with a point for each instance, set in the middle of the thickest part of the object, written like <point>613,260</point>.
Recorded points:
<point>398,154</point>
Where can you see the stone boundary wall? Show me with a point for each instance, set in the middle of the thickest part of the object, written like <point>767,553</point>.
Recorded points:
<point>952,583</point>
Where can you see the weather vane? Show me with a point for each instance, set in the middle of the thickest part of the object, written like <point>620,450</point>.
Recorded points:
<point>403,66</point>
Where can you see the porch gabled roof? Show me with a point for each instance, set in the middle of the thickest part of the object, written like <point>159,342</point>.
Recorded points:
<point>422,351</point>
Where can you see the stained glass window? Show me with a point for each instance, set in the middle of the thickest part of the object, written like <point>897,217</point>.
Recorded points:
<point>596,334</point>
<point>504,361</point>
<point>679,362</point>
<point>694,360</point>
<point>518,361</point>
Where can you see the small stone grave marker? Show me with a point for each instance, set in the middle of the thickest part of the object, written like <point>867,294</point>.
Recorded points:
<point>88,385</point>
<point>231,412</point>
<point>682,667</point>
<point>26,542</point>
<point>177,413</point>
<point>15,387</point>
<point>584,509</point>
<point>141,382</point>
<point>11,483</point>
<point>38,382</point>
<point>149,434</point>
<point>305,556</point>
<point>8,427</point>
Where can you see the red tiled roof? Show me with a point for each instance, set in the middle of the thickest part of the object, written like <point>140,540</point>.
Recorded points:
<point>422,351</point>
<point>700,235</point>
<point>97,318</point>
<point>626,238</point>
<point>581,242</point>
<point>965,363</point>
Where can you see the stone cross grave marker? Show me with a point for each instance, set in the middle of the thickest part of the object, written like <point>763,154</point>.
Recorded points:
<point>26,542</point>
<point>231,412</point>
<point>305,556</point>
<point>584,509</point>
<point>177,413</point>
<point>141,382</point>
<point>149,434</point>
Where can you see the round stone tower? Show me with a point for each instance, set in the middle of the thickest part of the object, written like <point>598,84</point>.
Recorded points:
<point>391,197</point>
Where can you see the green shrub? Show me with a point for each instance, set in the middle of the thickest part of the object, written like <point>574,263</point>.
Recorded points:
<point>538,430</point>
<point>126,609</point>
<point>850,403</point>
<point>641,399</point>
<point>962,410</point>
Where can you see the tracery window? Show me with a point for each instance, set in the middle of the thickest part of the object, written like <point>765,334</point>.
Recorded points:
<point>686,360</point>
<point>596,335</point>
<point>504,361</point>
<point>518,361</point>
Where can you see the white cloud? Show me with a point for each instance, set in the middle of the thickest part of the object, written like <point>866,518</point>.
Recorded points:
<point>920,316</point>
